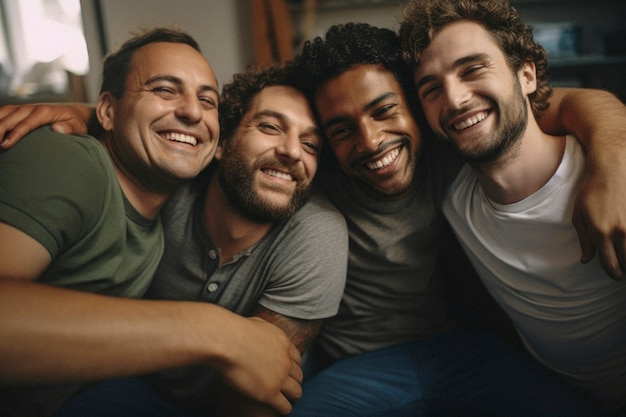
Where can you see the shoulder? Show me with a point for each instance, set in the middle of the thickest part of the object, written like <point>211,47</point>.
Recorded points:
<point>319,213</point>
<point>46,149</point>
<point>76,167</point>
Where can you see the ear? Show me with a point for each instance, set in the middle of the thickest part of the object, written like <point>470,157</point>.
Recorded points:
<point>528,78</point>
<point>219,151</point>
<point>105,111</point>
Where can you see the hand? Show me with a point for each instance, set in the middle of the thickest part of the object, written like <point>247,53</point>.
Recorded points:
<point>264,365</point>
<point>600,219</point>
<point>18,120</point>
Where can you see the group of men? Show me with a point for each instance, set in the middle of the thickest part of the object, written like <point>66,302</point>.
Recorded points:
<point>253,243</point>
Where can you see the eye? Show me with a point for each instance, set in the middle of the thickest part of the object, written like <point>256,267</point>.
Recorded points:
<point>384,110</point>
<point>269,128</point>
<point>340,133</point>
<point>474,70</point>
<point>208,102</point>
<point>165,92</point>
<point>311,146</point>
<point>429,90</point>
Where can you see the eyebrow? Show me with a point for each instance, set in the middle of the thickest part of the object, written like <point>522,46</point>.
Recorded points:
<point>281,117</point>
<point>367,107</point>
<point>458,63</point>
<point>178,81</point>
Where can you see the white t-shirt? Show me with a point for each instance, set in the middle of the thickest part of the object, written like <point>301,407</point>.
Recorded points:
<point>570,316</point>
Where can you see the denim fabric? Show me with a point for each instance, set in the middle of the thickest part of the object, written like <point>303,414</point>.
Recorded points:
<point>463,373</point>
<point>124,397</point>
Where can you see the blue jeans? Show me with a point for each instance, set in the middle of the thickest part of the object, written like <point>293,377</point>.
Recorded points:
<point>124,397</point>
<point>463,373</point>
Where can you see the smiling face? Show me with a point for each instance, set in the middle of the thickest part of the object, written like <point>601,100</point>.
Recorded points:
<point>371,130</point>
<point>164,128</point>
<point>267,167</point>
<point>469,93</point>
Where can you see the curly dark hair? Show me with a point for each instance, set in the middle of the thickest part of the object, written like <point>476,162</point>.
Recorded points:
<point>422,19</point>
<point>237,95</point>
<point>348,45</point>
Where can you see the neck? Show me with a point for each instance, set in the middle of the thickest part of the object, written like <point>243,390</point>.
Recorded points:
<point>525,169</point>
<point>147,194</point>
<point>230,231</point>
<point>147,202</point>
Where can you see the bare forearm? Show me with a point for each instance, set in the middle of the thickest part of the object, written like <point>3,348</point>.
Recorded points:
<point>52,335</point>
<point>595,117</point>
<point>598,120</point>
<point>300,332</point>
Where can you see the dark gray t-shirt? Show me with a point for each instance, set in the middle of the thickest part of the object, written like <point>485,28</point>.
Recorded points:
<point>394,290</point>
<point>298,270</point>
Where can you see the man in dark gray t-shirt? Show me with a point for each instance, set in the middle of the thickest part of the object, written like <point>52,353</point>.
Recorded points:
<point>250,234</point>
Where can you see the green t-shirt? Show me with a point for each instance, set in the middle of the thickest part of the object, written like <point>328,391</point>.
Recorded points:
<point>63,191</point>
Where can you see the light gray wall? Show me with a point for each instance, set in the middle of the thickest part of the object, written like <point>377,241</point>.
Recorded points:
<point>219,26</point>
<point>222,27</point>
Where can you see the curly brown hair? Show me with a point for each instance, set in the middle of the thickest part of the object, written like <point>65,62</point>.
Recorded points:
<point>423,19</point>
<point>237,95</point>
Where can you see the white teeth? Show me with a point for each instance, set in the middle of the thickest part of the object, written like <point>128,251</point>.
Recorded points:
<point>278,174</point>
<point>180,137</point>
<point>471,121</point>
<point>386,161</point>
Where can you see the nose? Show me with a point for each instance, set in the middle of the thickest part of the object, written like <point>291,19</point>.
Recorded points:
<point>290,146</point>
<point>189,108</point>
<point>456,93</point>
<point>369,137</point>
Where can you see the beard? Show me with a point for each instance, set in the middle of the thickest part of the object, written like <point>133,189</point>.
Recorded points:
<point>512,122</point>
<point>236,178</point>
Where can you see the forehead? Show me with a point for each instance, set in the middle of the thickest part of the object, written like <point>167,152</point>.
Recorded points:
<point>283,100</point>
<point>173,59</point>
<point>357,86</point>
<point>461,38</point>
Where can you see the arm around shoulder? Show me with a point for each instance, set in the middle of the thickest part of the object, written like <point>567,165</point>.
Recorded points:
<point>18,120</point>
<point>598,120</point>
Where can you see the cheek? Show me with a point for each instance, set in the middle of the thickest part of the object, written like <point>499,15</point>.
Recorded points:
<point>213,125</point>
<point>310,165</point>
<point>341,151</point>
<point>431,117</point>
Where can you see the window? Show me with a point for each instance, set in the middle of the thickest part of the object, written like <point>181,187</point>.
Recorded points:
<point>43,53</point>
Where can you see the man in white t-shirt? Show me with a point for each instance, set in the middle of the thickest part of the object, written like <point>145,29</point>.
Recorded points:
<point>480,77</point>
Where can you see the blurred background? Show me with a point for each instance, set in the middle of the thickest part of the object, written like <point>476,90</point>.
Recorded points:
<point>52,50</point>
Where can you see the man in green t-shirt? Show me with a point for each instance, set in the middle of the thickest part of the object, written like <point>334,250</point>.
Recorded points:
<point>82,214</point>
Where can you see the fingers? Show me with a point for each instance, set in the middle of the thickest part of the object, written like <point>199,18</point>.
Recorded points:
<point>281,405</point>
<point>584,238</point>
<point>291,389</point>
<point>610,248</point>
<point>610,245</point>
<point>296,372</point>
<point>610,259</point>
<point>294,354</point>
<point>70,127</point>
<point>10,116</point>
<point>290,393</point>
<point>17,121</point>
